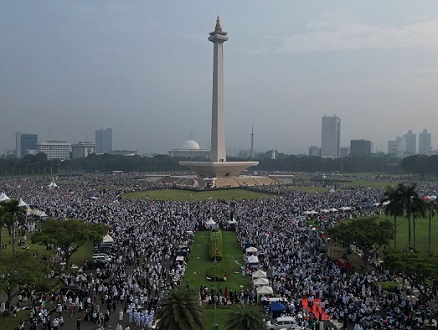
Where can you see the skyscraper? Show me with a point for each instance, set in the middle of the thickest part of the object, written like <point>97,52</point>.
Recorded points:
<point>360,147</point>
<point>104,140</point>
<point>25,142</point>
<point>409,141</point>
<point>331,136</point>
<point>424,145</point>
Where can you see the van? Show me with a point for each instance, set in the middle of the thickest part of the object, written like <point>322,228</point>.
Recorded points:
<point>281,323</point>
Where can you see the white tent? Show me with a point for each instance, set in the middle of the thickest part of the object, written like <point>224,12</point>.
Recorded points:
<point>232,224</point>
<point>250,251</point>
<point>259,274</point>
<point>324,211</point>
<point>333,210</point>
<point>3,197</point>
<point>52,185</point>
<point>253,260</point>
<point>260,282</point>
<point>21,202</point>
<point>264,291</point>
<point>107,239</point>
<point>210,224</point>
<point>331,191</point>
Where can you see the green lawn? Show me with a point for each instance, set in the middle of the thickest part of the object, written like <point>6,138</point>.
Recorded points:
<point>187,195</point>
<point>199,263</point>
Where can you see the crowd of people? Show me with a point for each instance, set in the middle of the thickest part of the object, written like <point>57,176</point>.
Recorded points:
<point>148,233</point>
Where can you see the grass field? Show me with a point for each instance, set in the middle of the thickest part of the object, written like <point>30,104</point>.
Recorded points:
<point>187,195</point>
<point>199,263</point>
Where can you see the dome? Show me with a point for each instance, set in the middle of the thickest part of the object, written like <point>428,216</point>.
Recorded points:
<point>191,145</point>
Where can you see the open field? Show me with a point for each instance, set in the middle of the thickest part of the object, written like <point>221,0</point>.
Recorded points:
<point>187,195</point>
<point>199,263</point>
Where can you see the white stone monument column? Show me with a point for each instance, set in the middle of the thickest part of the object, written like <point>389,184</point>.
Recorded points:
<point>218,150</point>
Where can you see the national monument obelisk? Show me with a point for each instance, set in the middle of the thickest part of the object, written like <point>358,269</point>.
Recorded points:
<point>218,165</point>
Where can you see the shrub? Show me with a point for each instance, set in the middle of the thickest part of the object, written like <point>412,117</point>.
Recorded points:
<point>220,273</point>
<point>216,244</point>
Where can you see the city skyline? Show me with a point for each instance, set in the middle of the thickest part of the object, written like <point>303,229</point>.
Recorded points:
<point>71,67</point>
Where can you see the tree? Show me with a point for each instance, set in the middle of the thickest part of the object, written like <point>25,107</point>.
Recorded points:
<point>392,207</point>
<point>406,198</point>
<point>180,310</point>
<point>20,271</point>
<point>245,317</point>
<point>418,268</point>
<point>432,208</point>
<point>368,234</point>
<point>14,213</point>
<point>69,235</point>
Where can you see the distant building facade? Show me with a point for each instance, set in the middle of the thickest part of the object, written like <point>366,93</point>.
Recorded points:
<point>344,152</point>
<point>55,149</point>
<point>360,147</point>
<point>331,136</point>
<point>314,151</point>
<point>24,143</point>
<point>190,150</point>
<point>424,144</point>
<point>104,140</point>
<point>82,149</point>
<point>410,143</point>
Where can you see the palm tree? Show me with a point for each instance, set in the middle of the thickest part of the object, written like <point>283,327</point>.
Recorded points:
<point>406,198</point>
<point>2,222</point>
<point>418,208</point>
<point>14,213</point>
<point>180,309</point>
<point>432,207</point>
<point>392,207</point>
<point>245,317</point>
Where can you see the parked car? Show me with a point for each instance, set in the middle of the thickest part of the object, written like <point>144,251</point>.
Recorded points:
<point>281,323</point>
<point>94,264</point>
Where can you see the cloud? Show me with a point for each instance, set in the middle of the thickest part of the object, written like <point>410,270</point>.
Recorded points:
<point>326,35</point>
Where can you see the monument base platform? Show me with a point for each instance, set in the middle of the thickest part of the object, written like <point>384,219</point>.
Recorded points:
<point>218,169</point>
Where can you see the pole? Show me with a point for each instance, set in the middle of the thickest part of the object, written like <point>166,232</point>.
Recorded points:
<point>215,327</point>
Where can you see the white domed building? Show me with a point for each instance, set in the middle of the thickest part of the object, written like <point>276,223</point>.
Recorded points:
<point>190,149</point>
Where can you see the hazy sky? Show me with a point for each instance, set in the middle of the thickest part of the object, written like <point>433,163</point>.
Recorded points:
<point>144,68</point>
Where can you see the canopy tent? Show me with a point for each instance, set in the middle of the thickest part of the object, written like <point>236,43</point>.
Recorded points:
<point>324,211</point>
<point>277,307</point>
<point>253,260</point>
<point>21,203</point>
<point>331,191</point>
<point>432,197</point>
<point>210,224</point>
<point>107,239</point>
<point>333,210</point>
<point>38,213</point>
<point>232,224</point>
<point>260,281</point>
<point>264,291</point>
<point>259,274</point>
<point>345,208</point>
<point>52,185</point>
<point>310,212</point>
<point>250,251</point>
<point>3,197</point>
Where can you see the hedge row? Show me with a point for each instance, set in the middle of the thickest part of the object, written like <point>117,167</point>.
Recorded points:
<point>216,242</point>
<point>220,274</point>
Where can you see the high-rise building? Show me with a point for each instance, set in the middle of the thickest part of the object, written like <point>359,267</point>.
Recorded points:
<point>409,143</point>
<point>24,143</point>
<point>82,149</point>
<point>55,149</point>
<point>314,151</point>
<point>331,136</point>
<point>104,140</point>
<point>360,147</point>
<point>424,146</point>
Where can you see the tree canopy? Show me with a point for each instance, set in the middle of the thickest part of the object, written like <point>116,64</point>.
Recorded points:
<point>22,270</point>
<point>180,310</point>
<point>368,234</point>
<point>69,235</point>
<point>245,317</point>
